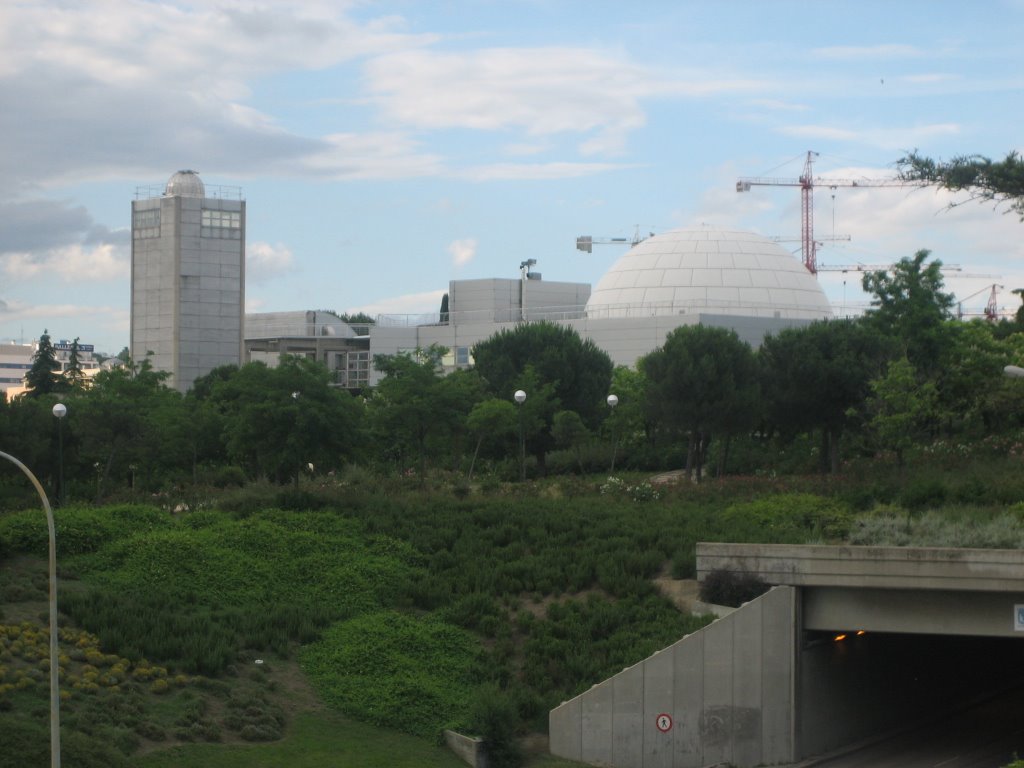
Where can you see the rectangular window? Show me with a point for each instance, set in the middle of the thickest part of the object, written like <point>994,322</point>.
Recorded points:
<point>226,225</point>
<point>462,356</point>
<point>358,369</point>
<point>146,223</point>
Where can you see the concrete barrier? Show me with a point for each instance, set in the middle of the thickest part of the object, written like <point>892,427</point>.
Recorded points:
<point>469,748</point>
<point>724,694</point>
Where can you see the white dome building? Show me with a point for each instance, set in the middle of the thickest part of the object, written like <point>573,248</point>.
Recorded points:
<point>708,271</point>
<point>702,276</point>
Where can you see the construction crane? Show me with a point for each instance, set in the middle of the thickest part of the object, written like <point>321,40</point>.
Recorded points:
<point>586,242</point>
<point>886,268</point>
<point>807,182</point>
<point>991,311</point>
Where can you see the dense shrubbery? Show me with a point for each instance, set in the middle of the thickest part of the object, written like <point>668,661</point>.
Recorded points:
<point>412,601</point>
<point>787,518</point>
<point>415,674</point>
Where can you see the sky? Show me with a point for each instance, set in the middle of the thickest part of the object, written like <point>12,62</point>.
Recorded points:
<point>385,148</point>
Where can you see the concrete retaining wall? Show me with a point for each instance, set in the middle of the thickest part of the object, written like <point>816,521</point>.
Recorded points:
<point>468,748</point>
<point>724,694</point>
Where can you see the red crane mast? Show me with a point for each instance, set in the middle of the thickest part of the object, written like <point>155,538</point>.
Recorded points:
<point>807,182</point>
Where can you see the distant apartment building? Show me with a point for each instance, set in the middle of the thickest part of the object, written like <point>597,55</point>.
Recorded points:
<point>16,360</point>
<point>188,277</point>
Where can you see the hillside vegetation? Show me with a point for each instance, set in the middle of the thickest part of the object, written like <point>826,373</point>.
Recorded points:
<point>478,613</point>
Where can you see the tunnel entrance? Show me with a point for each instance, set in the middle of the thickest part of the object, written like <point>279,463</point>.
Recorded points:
<point>853,685</point>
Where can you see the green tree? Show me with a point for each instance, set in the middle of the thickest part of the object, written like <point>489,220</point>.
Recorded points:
<point>626,426</point>
<point>277,421</point>
<point>701,381</point>
<point>902,408</point>
<point>570,432</point>
<point>74,375</point>
<point>816,377</point>
<point>970,377</point>
<point>444,309</point>
<point>356,318</point>
<point>129,427</point>
<point>986,180</point>
<point>578,371</point>
<point>908,304</point>
<point>492,419</point>
<point>44,377</point>
<point>412,404</point>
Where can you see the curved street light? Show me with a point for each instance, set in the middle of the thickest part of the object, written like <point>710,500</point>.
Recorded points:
<point>54,658</point>
<point>520,398</point>
<point>612,401</point>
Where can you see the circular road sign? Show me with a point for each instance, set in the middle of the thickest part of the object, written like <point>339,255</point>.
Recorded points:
<point>664,722</point>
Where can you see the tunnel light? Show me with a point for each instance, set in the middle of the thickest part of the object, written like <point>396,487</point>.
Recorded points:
<point>839,638</point>
<point>861,632</point>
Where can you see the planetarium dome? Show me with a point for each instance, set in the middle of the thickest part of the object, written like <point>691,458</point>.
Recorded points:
<point>185,184</point>
<point>711,271</point>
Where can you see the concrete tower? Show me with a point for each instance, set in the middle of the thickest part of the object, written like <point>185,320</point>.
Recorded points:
<point>188,278</point>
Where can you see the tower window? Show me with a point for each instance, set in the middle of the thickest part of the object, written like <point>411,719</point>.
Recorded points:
<point>146,223</point>
<point>226,225</point>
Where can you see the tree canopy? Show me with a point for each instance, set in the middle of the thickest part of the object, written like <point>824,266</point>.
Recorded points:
<point>814,376</point>
<point>701,381</point>
<point>44,376</point>
<point>909,304</point>
<point>579,372</point>
<point>998,181</point>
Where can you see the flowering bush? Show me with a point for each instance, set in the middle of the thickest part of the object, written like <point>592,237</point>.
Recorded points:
<point>615,486</point>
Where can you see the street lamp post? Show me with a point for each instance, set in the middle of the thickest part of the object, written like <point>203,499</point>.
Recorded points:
<point>520,398</point>
<point>60,411</point>
<point>54,657</point>
<point>298,463</point>
<point>612,401</point>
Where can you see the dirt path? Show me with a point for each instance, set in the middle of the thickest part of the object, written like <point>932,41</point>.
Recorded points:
<point>682,592</point>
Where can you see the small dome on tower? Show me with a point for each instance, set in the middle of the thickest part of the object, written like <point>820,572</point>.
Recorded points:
<point>185,184</point>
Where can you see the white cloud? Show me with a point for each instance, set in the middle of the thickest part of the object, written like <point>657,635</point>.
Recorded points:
<point>896,138</point>
<point>69,264</point>
<point>105,89</point>
<point>542,91</point>
<point>372,156</point>
<point>463,251</point>
<point>264,261</point>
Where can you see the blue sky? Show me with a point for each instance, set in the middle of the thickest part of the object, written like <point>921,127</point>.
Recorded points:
<point>385,148</point>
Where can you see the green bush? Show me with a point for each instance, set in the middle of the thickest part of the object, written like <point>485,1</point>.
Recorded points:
<point>923,494</point>
<point>374,666</point>
<point>493,717</point>
<point>788,518</point>
<point>723,587</point>
<point>78,530</point>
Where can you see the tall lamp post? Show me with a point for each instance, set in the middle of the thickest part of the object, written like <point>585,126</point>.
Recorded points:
<point>520,398</point>
<point>54,658</point>
<point>612,401</point>
<point>60,411</point>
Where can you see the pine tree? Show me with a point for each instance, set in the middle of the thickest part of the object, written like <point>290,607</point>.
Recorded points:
<point>73,376</point>
<point>44,376</point>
